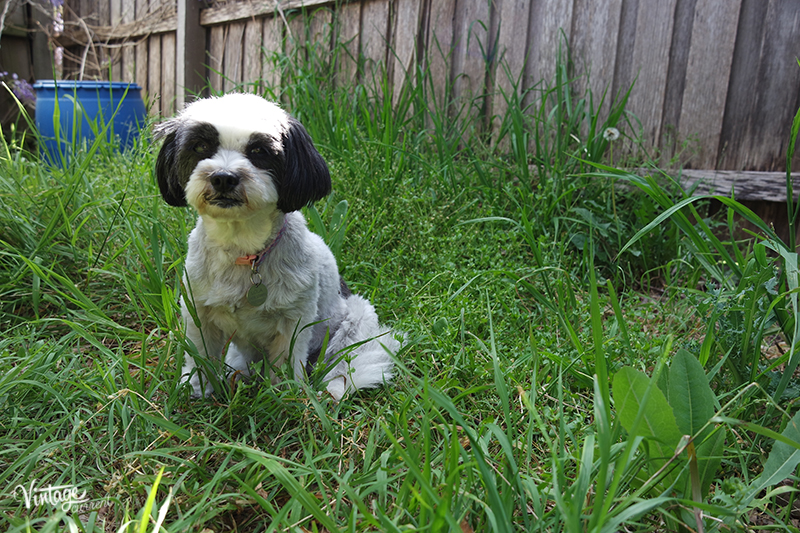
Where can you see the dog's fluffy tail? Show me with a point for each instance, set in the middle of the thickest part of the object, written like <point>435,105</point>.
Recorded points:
<point>360,350</point>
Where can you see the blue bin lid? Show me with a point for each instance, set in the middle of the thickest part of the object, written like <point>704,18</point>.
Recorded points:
<point>72,84</point>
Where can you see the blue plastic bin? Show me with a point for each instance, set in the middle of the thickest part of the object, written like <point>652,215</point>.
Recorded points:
<point>86,107</point>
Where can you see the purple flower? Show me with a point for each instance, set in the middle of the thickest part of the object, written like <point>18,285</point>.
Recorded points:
<point>20,87</point>
<point>24,91</point>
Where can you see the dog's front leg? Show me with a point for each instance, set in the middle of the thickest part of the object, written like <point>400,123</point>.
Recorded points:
<point>283,346</point>
<point>209,343</point>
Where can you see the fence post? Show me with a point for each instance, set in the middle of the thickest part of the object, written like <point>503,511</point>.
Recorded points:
<point>42,60</point>
<point>190,76</point>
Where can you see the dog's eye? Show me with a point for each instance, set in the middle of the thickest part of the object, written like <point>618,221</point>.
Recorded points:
<point>256,150</point>
<point>201,147</point>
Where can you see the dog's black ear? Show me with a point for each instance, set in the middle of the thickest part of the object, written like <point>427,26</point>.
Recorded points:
<point>167,169</point>
<point>306,178</point>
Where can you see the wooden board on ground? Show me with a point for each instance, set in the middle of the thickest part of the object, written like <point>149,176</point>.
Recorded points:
<point>751,186</point>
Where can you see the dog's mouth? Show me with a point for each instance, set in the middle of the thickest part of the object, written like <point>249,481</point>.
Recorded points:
<point>225,202</point>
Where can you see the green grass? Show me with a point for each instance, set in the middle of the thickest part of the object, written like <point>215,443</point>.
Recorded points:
<point>553,314</point>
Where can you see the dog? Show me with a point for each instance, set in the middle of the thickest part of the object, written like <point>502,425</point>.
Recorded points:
<point>261,284</point>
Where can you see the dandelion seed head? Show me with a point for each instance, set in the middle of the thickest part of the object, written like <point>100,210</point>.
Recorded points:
<point>611,134</point>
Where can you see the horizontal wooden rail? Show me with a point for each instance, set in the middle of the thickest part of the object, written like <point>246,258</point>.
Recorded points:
<point>745,185</point>
<point>246,10</point>
<point>163,20</point>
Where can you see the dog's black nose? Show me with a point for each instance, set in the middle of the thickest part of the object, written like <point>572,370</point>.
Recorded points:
<point>224,181</point>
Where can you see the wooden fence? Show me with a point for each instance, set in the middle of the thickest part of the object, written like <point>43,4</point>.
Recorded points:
<point>720,74</point>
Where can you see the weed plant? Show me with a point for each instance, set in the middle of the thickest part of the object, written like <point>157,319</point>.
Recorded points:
<point>548,386</point>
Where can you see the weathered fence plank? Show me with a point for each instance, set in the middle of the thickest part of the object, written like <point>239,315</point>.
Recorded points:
<point>706,89</point>
<point>128,70</point>
<point>549,33</point>
<point>511,52</point>
<point>758,115</point>
<point>273,45</point>
<point>142,9</point>
<point>594,53</point>
<point>650,63</point>
<point>471,43</point>
<point>168,74</point>
<point>253,54</point>
<point>405,39</point>
<point>374,37</point>
<point>41,60</point>
<point>348,24</point>
<point>741,101</point>
<point>319,30</point>
<point>232,63</point>
<point>670,142</point>
<point>154,72</point>
<point>115,18</point>
<point>190,43</point>
<point>294,45</point>
<point>440,50</point>
<point>216,53</point>
<point>141,66</point>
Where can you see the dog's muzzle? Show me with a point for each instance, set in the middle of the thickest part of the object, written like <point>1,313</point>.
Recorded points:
<point>224,185</point>
<point>224,182</point>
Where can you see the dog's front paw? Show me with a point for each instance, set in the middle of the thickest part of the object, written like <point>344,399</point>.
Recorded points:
<point>198,391</point>
<point>337,387</point>
<point>195,395</point>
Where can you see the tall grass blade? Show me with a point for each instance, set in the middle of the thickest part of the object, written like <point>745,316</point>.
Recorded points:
<point>496,509</point>
<point>600,363</point>
<point>791,208</point>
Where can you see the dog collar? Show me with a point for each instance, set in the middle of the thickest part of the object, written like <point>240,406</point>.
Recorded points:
<point>254,260</point>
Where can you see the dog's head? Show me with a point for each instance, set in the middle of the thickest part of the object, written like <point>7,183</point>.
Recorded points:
<point>231,156</point>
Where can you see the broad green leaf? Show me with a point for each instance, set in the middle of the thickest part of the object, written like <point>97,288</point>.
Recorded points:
<point>643,411</point>
<point>792,273</point>
<point>709,455</point>
<point>692,402</point>
<point>318,226</point>
<point>690,396</point>
<point>663,385</point>
<point>339,214</point>
<point>634,394</point>
<point>782,460</point>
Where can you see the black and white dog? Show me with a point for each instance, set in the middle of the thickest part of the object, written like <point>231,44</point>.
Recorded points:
<point>262,284</point>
